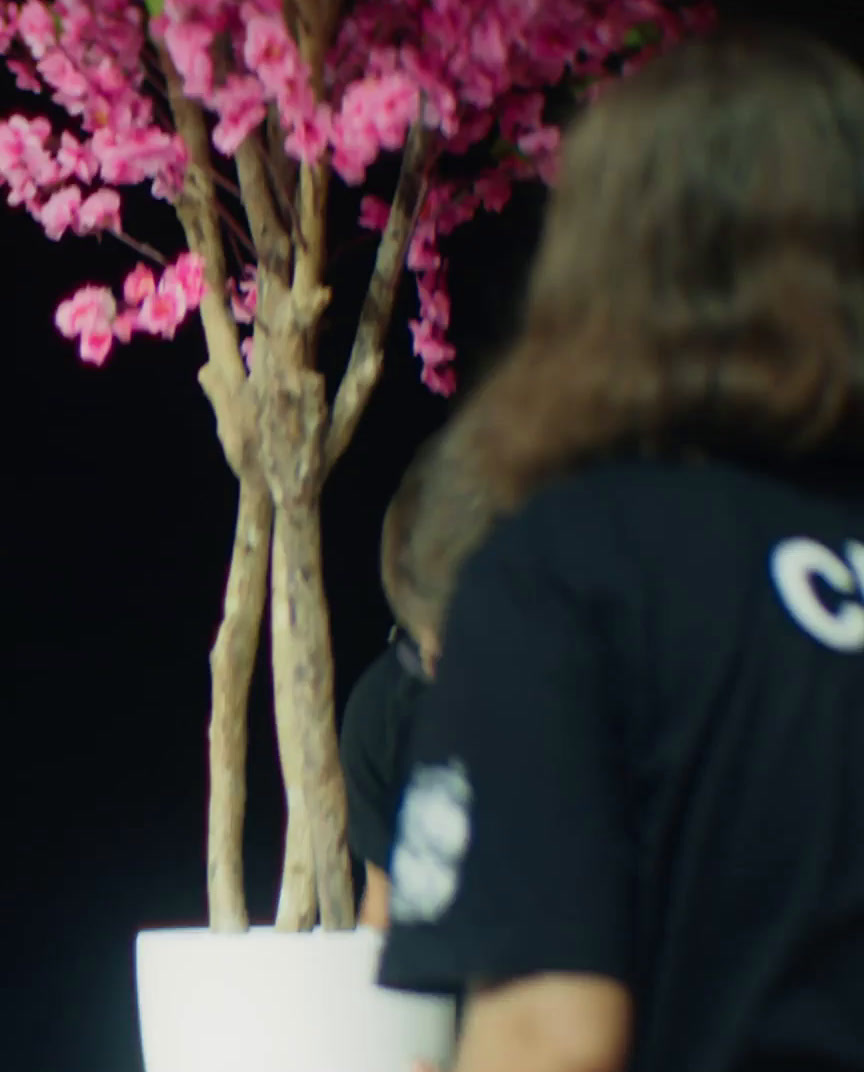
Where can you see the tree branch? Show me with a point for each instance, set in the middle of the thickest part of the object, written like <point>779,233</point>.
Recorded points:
<point>223,378</point>
<point>144,249</point>
<point>293,419</point>
<point>232,661</point>
<point>314,24</point>
<point>269,235</point>
<point>225,383</point>
<point>282,171</point>
<point>367,353</point>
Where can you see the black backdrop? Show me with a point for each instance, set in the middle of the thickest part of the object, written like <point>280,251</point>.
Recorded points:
<point>116,537</point>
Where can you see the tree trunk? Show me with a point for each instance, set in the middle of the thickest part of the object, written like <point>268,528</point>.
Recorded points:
<point>292,420</point>
<point>306,714</point>
<point>298,901</point>
<point>232,661</point>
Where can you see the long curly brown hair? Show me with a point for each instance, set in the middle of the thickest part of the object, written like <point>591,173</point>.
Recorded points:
<point>699,285</point>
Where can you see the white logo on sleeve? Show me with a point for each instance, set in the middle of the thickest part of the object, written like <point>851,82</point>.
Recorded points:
<point>797,564</point>
<point>431,841</point>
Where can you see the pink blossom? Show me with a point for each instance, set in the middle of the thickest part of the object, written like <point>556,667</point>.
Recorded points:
<point>188,44</point>
<point>434,299</point>
<point>350,163</point>
<point>308,140</point>
<point>60,211</point>
<point>448,207</point>
<point>244,297</point>
<point>542,145</point>
<point>520,111</point>
<point>475,65</point>
<point>540,141</point>
<point>240,106</point>
<point>473,128</point>
<point>271,53</point>
<point>169,179</point>
<point>423,255</point>
<point>429,343</point>
<point>489,42</point>
<point>25,79</point>
<point>440,379</point>
<point>441,105</point>
<point>188,274</point>
<point>25,163</point>
<point>100,212</point>
<point>374,213</point>
<point>36,27</point>
<point>164,310</point>
<point>76,159</point>
<point>61,74</point>
<point>129,157</point>
<point>138,285</point>
<point>375,114</point>
<point>125,324</point>
<point>108,77</point>
<point>378,111</point>
<point>95,344</point>
<point>396,103</point>
<point>493,190</point>
<point>88,304</point>
<point>88,314</point>
<point>296,100</point>
<point>8,26</point>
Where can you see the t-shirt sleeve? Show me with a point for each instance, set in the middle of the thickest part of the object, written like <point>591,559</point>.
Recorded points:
<point>368,747</point>
<point>379,713</point>
<point>513,852</point>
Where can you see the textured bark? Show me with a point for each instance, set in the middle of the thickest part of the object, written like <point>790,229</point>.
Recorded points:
<point>232,661</point>
<point>293,417</point>
<point>298,902</point>
<point>282,171</point>
<point>307,670</point>
<point>269,233</point>
<point>367,353</point>
<point>282,333</point>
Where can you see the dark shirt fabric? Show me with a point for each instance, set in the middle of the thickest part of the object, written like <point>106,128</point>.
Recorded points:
<point>643,756</point>
<point>372,745</point>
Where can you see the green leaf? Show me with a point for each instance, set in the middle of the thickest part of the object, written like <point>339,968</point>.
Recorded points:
<point>154,8</point>
<point>58,22</point>
<point>642,34</point>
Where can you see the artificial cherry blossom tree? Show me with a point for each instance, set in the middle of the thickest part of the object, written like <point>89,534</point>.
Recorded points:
<point>241,115</point>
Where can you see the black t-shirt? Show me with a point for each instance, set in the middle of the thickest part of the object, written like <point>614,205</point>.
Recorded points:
<point>643,756</point>
<point>377,717</point>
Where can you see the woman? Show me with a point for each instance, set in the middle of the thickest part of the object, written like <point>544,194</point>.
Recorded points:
<point>649,695</point>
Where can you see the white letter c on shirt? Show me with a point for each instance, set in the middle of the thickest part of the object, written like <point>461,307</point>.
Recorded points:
<point>794,564</point>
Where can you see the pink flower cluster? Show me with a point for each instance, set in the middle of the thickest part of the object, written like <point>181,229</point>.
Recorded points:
<point>88,57</point>
<point>156,307</point>
<point>471,70</point>
<point>481,66</point>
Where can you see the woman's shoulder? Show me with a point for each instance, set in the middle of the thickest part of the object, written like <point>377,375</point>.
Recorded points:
<point>384,670</point>
<point>609,516</point>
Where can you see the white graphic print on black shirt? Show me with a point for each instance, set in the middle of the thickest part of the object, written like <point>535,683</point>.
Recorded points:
<point>797,564</point>
<point>431,841</point>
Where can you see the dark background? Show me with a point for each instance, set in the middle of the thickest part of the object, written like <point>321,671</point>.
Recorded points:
<point>116,538</point>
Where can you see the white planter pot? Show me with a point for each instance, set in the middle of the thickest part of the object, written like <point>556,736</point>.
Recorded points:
<point>269,1002</point>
